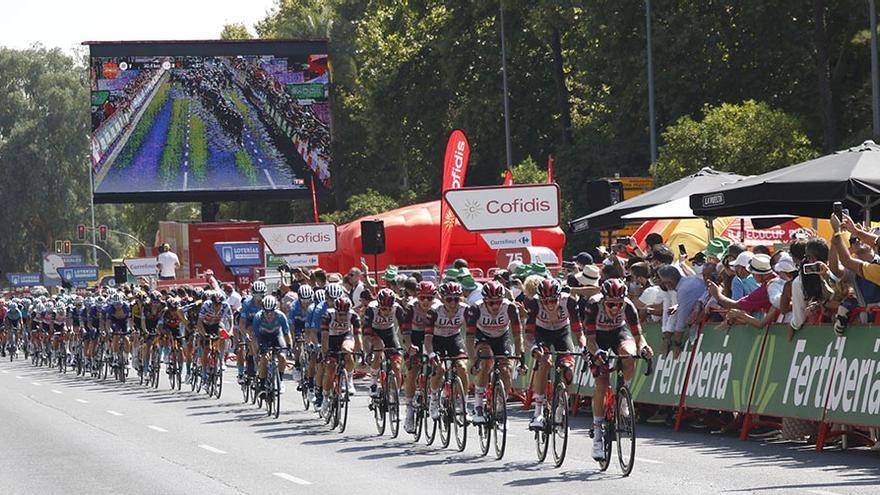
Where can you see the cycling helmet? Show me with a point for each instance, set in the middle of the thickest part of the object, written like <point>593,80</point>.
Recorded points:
<point>334,291</point>
<point>320,296</point>
<point>173,302</point>
<point>614,288</point>
<point>426,288</point>
<point>451,289</point>
<point>549,288</point>
<point>116,299</point>
<point>13,306</point>
<point>343,305</point>
<point>493,290</point>
<point>218,297</point>
<point>270,303</point>
<point>259,288</point>
<point>60,306</point>
<point>385,298</point>
<point>306,293</point>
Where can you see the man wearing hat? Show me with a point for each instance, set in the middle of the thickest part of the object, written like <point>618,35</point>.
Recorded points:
<point>743,282</point>
<point>716,249</point>
<point>759,300</point>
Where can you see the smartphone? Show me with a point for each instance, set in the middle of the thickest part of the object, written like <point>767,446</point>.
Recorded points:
<point>623,240</point>
<point>838,209</point>
<point>681,250</point>
<point>812,268</point>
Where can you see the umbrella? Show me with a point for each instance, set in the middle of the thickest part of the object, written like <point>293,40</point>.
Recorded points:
<point>610,217</point>
<point>807,189</point>
<point>681,209</point>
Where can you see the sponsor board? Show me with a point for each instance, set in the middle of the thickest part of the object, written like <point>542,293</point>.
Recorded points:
<point>507,240</point>
<point>142,267</point>
<point>309,238</point>
<point>505,207</point>
<point>291,260</point>
<point>239,253</point>
<point>79,274</point>
<point>23,279</point>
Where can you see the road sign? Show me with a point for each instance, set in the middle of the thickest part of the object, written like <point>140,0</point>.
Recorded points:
<point>73,259</point>
<point>79,274</point>
<point>528,206</point>
<point>142,267</point>
<point>23,279</point>
<point>239,253</point>
<point>308,238</point>
<point>508,240</point>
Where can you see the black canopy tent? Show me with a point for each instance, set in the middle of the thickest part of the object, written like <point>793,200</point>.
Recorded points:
<point>609,218</point>
<point>807,189</point>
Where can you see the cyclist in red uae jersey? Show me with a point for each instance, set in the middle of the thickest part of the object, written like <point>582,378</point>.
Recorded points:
<point>494,322</point>
<point>378,325</point>
<point>444,339</point>
<point>552,316</point>
<point>338,327</point>
<point>611,322</point>
<point>416,315</point>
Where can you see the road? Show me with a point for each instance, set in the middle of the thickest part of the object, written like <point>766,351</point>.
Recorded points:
<point>66,434</point>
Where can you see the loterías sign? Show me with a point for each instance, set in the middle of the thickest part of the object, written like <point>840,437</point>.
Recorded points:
<point>502,208</point>
<point>306,238</point>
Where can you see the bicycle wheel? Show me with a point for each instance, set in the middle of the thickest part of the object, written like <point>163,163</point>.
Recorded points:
<point>542,436</point>
<point>430,424</point>
<point>218,377</point>
<point>304,391</point>
<point>276,407</point>
<point>379,406</point>
<point>445,416</point>
<point>343,401</point>
<point>607,433</point>
<point>625,430</point>
<point>246,389</point>
<point>393,400</point>
<point>558,418</point>
<point>121,368</point>
<point>484,429</point>
<point>499,420</point>
<point>420,407</point>
<point>459,413</point>
<point>156,367</point>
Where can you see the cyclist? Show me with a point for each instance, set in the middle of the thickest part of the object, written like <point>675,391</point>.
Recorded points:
<point>172,324</point>
<point>492,320</point>
<point>191,311</point>
<point>12,321</point>
<point>214,314</point>
<point>552,315</point>
<point>413,328</point>
<point>150,317</point>
<point>58,317</point>
<point>249,308</point>
<point>269,328</point>
<point>313,331</point>
<point>297,317</point>
<point>338,327</point>
<point>75,321</point>
<point>612,322</point>
<point>117,322</point>
<point>443,339</point>
<point>92,320</point>
<point>379,319</point>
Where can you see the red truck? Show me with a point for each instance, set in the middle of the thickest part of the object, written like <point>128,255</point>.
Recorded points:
<point>194,244</point>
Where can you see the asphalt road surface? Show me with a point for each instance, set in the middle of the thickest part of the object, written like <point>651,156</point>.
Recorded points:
<point>63,434</point>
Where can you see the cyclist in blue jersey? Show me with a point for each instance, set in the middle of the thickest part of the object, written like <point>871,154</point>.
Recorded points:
<point>117,322</point>
<point>12,321</point>
<point>297,317</point>
<point>250,306</point>
<point>269,329</point>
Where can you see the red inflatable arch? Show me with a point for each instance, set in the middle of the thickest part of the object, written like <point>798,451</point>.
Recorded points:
<point>412,238</point>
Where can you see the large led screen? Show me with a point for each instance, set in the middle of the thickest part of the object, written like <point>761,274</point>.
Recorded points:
<point>207,121</point>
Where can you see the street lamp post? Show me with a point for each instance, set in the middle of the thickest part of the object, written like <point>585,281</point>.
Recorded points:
<point>651,121</point>
<point>504,84</point>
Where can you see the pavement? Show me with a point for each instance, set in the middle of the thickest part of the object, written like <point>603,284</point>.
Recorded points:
<point>63,434</point>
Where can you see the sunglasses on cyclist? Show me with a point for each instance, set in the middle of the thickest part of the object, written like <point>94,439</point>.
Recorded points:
<point>426,298</point>
<point>493,302</point>
<point>451,299</point>
<point>614,304</point>
<point>549,300</point>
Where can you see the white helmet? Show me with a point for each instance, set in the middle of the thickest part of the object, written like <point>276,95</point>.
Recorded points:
<point>259,288</point>
<point>334,291</point>
<point>306,292</point>
<point>270,303</point>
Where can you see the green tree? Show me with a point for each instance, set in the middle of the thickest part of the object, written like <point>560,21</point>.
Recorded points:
<point>361,205</point>
<point>235,31</point>
<point>527,172</point>
<point>749,138</point>
<point>43,153</point>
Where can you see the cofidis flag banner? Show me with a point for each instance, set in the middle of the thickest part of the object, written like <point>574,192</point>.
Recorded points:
<point>454,169</point>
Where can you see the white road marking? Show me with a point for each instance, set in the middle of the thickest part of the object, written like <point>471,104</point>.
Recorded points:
<point>212,449</point>
<point>57,392</point>
<point>82,401</point>
<point>114,413</point>
<point>38,384</point>
<point>823,492</point>
<point>157,428</point>
<point>19,377</point>
<point>293,479</point>
<point>269,177</point>
<point>5,371</point>
<point>649,461</point>
<point>185,179</point>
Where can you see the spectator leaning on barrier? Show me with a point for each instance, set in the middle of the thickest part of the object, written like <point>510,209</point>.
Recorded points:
<point>743,283</point>
<point>688,289</point>
<point>759,300</point>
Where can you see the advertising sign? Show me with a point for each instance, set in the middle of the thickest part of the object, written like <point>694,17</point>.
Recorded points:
<point>23,279</point>
<point>239,253</point>
<point>142,267</point>
<point>307,238</point>
<point>302,260</point>
<point>507,240</point>
<point>505,208</point>
<point>525,255</point>
<point>79,274</point>
<point>632,187</point>
<point>306,91</point>
<point>855,380</point>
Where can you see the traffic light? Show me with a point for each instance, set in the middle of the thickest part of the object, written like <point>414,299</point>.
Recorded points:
<point>102,232</point>
<point>66,247</point>
<point>59,247</point>
<point>81,232</point>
